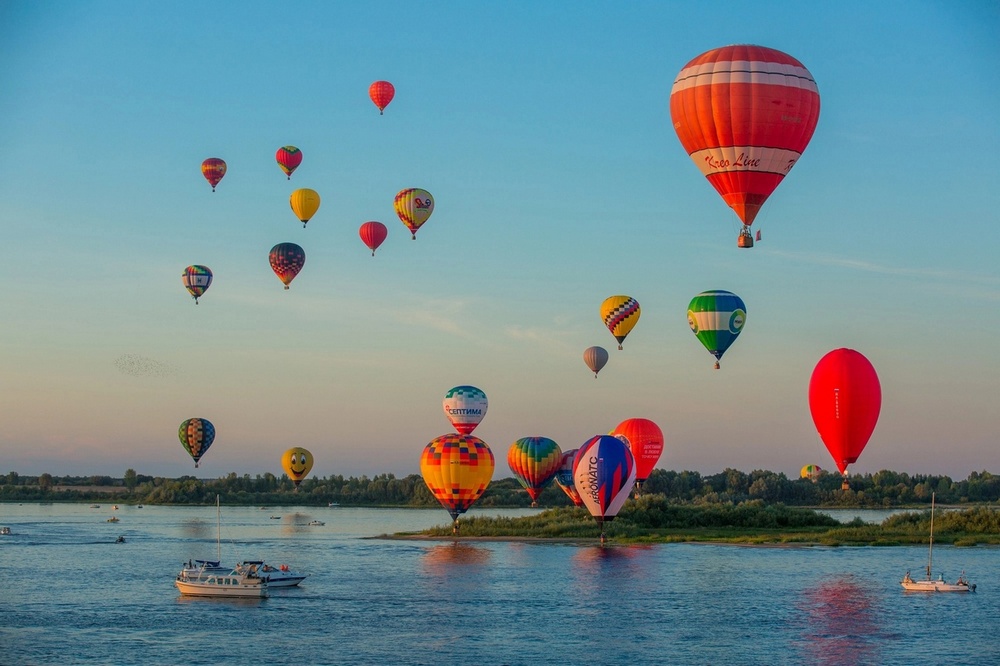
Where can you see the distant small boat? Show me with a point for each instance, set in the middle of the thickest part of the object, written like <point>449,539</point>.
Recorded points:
<point>316,522</point>
<point>113,519</point>
<point>138,506</point>
<point>120,539</point>
<point>928,584</point>
<point>334,504</point>
<point>114,508</point>
<point>4,530</point>
<point>95,506</point>
<point>275,517</point>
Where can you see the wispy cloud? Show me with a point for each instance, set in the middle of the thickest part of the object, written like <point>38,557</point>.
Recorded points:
<point>900,271</point>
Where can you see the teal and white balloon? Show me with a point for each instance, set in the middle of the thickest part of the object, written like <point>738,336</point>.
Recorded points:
<point>717,317</point>
<point>465,407</point>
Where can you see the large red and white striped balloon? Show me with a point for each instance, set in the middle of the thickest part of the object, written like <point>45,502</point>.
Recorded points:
<point>744,114</point>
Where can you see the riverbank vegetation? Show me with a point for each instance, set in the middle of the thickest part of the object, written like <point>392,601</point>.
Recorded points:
<point>882,490</point>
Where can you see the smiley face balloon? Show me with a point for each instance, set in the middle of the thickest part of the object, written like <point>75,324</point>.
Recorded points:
<point>297,463</point>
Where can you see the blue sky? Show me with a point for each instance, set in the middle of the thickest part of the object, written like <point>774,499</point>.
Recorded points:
<point>543,132</point>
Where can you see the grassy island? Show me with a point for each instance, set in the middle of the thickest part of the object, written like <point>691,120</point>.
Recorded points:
<point>653,519</point>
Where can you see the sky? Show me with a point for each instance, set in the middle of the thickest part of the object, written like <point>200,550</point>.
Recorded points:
<point>543,132</point>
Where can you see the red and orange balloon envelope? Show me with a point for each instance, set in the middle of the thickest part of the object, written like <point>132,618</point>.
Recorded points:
<point>381,93</point>
<point>645,440</point>
<point>289,158</point>
<point>457,469</point>
<point>287,259</point>
<point>413,206</point>
<point>196,437</point>
<point>373,234</point>
<point>197,279</point>
<point>534,462</point>
<point>845,399</point>
<point>213,169</point>
<point>744,114</point>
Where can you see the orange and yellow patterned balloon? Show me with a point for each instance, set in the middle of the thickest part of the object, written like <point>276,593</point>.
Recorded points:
<point>457,469</point>
<point>213,169</point>
<point>297,463</point>
<point>414,206</point>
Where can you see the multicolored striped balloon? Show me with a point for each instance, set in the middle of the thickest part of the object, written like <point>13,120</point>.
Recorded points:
<point>414,206</point>
<point>564,477</point>
<point>620,314</point>
<point>604,473</point>
<point>717,318</point>
<point>457,469</point>
<point>196,437</point>
<point>534,462</point>
<point>196,279</point>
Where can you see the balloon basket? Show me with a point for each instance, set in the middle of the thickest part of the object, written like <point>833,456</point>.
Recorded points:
<point>744,239</point>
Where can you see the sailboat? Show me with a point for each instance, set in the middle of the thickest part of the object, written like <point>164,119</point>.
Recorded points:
<point>928,584</point>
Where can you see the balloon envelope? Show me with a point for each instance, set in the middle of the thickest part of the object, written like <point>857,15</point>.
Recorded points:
<point>845,398</point>
<point>372,234</point>
<point>595,358</point>
<point>620,314</point>
<point>289,158</point>
<point>414,206</point>
<point>457,469</point>
<point>196,437</point>
<point>381,93</point>
<point>465,407</point>
<point>534,462</point>
<point>645,440</point>
<point>716,318</point>
<point>811,472</point>
<point>564,477</point>
<point>213,169</point>
<point>287,259</point>
<point>196,279</point>
<point>304,203</point>
<point>744,114</point>
<point>603,473</point>
<point>297,463</point>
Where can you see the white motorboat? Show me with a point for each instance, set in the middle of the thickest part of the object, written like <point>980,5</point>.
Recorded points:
<point>5,530</point>
<point>233,584</point>
<point>929,584</point>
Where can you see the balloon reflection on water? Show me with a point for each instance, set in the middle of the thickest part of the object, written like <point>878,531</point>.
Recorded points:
<point>842,623</point>
<point>444,559</point>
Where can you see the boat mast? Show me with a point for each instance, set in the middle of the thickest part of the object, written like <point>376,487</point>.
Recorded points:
<point>218,538</point>
<point>930,545</point>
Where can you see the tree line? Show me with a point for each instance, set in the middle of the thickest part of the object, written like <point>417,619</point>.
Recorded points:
<point>883,489</point>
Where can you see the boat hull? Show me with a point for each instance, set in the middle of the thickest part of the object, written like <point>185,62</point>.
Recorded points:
<point>935,586</point>
<point>222,586</point>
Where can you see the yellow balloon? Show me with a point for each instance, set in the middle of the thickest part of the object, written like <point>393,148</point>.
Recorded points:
<point>305,203</point>
<point>620,314</point>
<point>457,469</point>
<point>413,206</point>
<point>297,463</point>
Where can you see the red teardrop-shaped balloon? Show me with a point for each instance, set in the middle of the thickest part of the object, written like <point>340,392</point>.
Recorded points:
<point>845,398</point>
<point>372,234</point>
<point>381,93</point>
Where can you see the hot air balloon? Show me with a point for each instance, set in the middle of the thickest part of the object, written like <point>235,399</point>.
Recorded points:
<point>595,358</point>
<point>304,203</point>
<point>534,462</point>
<point>564,477</point>
<point>381,93</point>
<point>845,398</point>
<point>414,206</point>
<point>810,472</point>
<point>289,158</point>
<point>297,462</point>
<point>213,169</point>
<point>287,259</point>
<point>603,473</point>
<point>372,234</point>
<point>196,279</point>
<point>645,440</point>
<point>457,469</point>
<point>717,318</point>
<point>465,407</point>
<point>196,437</point>
<point>620,314</point>
<point>744,114</point>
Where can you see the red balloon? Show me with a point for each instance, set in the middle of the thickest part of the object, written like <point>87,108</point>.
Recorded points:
<point>845,398</point>
<point>288,158</point>
<point>744,114</point>
<point>381,93</point>
<point>645,439</point>
<point>372,234</point>
<point>213,169</point>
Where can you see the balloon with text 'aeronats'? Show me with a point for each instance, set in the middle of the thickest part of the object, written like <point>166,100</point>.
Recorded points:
<point>645,440</point>
<point>845,399</point>
<point>197,279</point>
<point>564,477</point>
<point>213,169</point>
<point>811,472</point>
<point>717,317</point>
<point>620,314</point>
<point>457,469</point>
<point>413,206</point>
<point>287,259</point>
<point>304,203</point>
<point>465,407</point>
<point>297,462</point>
<point>595,358</point>
<point>289,158</point>
<point>744,114</point>
<point>604,473</point>
<point>196,437</point>
<point>372,234</point>
<point>534,462</point>
<point>381,93</point>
